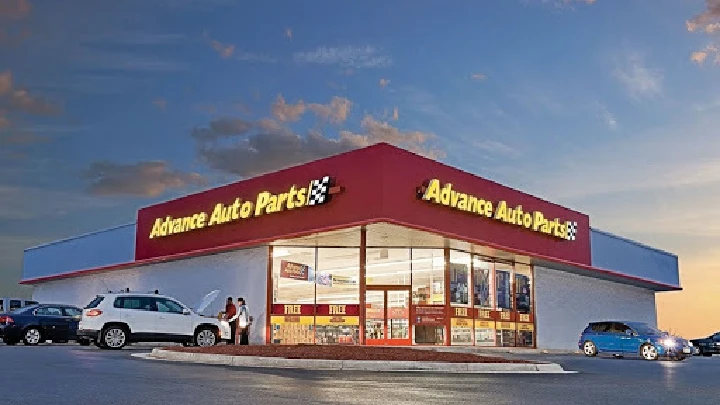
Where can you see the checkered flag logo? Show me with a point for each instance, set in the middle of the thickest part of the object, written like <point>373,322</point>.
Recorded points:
<point>321,191</point>
<point>571,230</point>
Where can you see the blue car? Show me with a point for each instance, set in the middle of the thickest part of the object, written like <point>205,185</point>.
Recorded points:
<point>36,324</point>
<point>632,339</point>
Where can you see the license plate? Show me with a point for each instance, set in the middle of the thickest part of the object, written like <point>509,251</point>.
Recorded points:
<point>686,350</point>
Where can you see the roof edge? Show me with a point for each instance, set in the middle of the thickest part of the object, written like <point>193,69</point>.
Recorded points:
<point>634,242</point>
<point>82,235</point>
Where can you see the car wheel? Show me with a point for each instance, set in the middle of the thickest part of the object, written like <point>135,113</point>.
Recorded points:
<point>649,352</point>
<point>32,336</point>
<point>114,337</point>
<point>589,349</point>
<point>205,337</point>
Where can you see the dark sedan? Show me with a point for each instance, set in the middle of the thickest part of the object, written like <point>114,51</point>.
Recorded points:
<point>707,346</point>
<point>39,323</point>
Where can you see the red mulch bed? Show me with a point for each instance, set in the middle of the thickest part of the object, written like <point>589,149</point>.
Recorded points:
<point>331,352</point>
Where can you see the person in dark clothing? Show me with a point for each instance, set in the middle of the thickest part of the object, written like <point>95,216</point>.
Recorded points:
<point>231,317</point>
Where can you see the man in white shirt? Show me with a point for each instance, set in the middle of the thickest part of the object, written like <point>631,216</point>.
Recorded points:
<point>243,321</point>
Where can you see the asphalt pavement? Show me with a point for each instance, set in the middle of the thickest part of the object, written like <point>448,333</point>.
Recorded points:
<point>69,374</point>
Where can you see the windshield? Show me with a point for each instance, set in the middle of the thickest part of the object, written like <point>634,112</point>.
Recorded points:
<point>645,329</point>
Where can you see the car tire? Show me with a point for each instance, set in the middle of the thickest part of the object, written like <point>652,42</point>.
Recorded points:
<point>589,348</point>
<point>707,354</point>
<point>32,336</point>
<point>11,342</point>
<point>205,337</point>
<point>114,337</point>
<point>648,352</point>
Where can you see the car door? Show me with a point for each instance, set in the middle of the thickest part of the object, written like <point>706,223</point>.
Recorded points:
<point>53,323</point>
<point>73,314</point>
<point>172,321</point>
<point>629,340</point>
<point>138,312</point>
<point>601,336</point>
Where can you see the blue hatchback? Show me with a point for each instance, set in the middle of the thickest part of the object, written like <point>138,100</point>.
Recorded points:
<point>632,339</point>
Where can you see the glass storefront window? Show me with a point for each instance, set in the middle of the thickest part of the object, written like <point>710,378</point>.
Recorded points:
<point>293,275</point>
<point>387,266</point>
<point>459,278</point>
<point>503,283</point>
<point>428,276</point>
<point>337,274</point>
<point>524,305</point>
<point>483,274</point>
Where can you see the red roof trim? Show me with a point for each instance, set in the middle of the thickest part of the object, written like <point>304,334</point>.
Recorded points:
<point>256,242</point>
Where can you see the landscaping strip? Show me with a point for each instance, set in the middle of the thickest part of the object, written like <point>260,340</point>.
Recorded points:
<point>351,358</point>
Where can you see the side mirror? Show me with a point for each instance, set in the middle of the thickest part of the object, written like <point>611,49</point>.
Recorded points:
<point>186,311</point>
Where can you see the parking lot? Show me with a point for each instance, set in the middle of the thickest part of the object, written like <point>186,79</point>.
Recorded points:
<point>70,374</point>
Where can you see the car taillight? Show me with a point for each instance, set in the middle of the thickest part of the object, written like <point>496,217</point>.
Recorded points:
<point>6,319</point>
<point>94,312</point>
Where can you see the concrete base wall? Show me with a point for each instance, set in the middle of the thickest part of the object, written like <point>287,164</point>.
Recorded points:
<point>566,303</point>
<point>241,273</point>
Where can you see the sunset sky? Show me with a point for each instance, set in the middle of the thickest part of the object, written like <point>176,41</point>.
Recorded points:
<point>608,107</point>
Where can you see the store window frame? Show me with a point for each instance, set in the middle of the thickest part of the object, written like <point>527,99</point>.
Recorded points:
<point>363,248</point>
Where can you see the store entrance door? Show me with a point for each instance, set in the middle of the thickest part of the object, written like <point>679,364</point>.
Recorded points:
<point>387,316</point>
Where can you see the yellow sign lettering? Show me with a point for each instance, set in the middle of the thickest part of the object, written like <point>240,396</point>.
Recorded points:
<point>292,309</point>
<point>460,311</point>
<point>437,193</point>
<point>337,309</point>
<point>264,203</point>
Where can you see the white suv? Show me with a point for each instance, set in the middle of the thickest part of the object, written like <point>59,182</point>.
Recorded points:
<point>113,320</point>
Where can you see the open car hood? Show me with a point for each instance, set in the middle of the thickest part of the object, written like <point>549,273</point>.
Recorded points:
<point>206,301</point>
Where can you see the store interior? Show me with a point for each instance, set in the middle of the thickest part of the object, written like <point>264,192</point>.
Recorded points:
<point>486,299</point>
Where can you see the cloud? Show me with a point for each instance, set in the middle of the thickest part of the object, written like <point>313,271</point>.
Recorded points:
<point>638,79</point>
<point>222,127</point>
<point>347,57</point>
<point>227,51</point>
<point>336,111</point>
<point>160,103</point>
<point>20,100</point>
<point>14,8</point>
<point>605,116</point>
<point>10,137</point>
<point>708,20</point>
<point>288,33</point>
<point>248,148</point>
<point>396,114</point>
<point>567,3</point>
<point>143,179</point>
<point>5,82</point>
<point>478,76</point>
<point>384,83</point>
<point>497,148</point>
<point>22,203</point>
<point>701,56</point>
<point>375,131</point>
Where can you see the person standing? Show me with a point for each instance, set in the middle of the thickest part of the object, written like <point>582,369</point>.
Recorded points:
<point>243,320</point>
<point>231,317</point>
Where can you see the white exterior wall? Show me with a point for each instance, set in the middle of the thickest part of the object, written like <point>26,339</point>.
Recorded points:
<point>566,303</point>
<point>241,273</point>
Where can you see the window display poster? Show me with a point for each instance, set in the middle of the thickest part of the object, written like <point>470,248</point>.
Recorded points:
<point>296,271</point>
<point>459,283</point>
<point>325,279</point>
<point>503,289</point>
<point>482,287</point>
<point>522,293</point>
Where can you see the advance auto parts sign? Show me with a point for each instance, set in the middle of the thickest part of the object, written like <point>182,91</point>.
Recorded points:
<point>536,221</point>
<point>318,192</point>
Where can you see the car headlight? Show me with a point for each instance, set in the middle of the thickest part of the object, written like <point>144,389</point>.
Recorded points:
<point>690,343</point>
<point>668,342</point>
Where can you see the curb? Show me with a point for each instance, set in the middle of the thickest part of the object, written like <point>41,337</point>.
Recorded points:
<point>354,365</point>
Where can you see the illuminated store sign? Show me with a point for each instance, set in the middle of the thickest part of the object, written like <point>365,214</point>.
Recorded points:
<point>317,192</point>
<point>537,221</point>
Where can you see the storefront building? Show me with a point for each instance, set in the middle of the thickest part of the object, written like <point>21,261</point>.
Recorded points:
<point>377,246</point>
